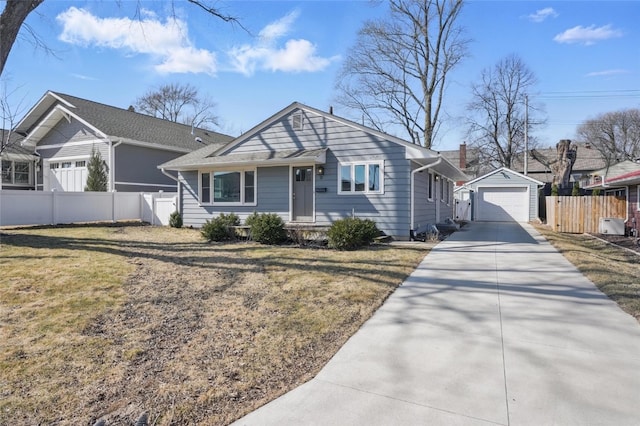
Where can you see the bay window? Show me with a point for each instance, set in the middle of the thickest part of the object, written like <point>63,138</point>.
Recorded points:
<point>366,178</point>
<point>232,187</point>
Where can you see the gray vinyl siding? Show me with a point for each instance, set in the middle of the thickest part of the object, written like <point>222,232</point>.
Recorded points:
<point>139,165</point>
<point>65,131</point>
<point>389,210</point>
<point>272,197</point>
<point>424,208</point>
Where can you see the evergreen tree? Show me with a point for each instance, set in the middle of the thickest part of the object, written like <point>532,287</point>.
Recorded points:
<point>97,178</point>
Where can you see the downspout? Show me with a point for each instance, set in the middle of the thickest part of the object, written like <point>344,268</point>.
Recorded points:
<point>413,173</point>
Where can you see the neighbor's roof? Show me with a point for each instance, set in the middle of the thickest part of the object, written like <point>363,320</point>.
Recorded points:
<point>620,174</point>
<point>12,150</point>
<point>587,159</point>
<point>120,124</point>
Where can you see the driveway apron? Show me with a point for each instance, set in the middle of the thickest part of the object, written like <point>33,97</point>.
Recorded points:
<point>494,327</point>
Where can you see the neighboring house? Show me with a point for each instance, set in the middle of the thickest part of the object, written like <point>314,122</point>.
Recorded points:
<point>588,159</point>
<point>62,130</point>
<point>502,195</point>
<point>466,159</point>
<point>311,168</point>
<point>621,179</point>
<point>18,163</point>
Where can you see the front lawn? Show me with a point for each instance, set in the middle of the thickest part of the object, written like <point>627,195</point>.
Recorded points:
<point>111,322</point>
<point>614,270</point>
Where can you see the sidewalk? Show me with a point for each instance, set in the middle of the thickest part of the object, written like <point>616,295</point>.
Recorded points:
<point>494,327</point>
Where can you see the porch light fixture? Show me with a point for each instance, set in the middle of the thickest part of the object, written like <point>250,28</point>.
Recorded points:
<point>320,170</point>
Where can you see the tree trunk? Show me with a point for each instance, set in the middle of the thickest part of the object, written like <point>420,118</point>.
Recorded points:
<point>563,166</point>
<point>13,15</point>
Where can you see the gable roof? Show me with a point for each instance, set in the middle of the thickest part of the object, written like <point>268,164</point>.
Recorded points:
<point>209,156</point>
<point>115,123</point>
<point>620,174</point>
<point>504,170</point>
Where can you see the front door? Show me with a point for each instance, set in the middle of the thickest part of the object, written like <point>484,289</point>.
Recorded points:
<point>302,197</point>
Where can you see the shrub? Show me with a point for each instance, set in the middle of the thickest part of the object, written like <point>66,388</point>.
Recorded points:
<point>219,228</point>
<point>595,192</point>
<point>576,189</point>
<point>175,220</point>
<point>554,190</point>
<point>352,233</point>
<point>266,228</point>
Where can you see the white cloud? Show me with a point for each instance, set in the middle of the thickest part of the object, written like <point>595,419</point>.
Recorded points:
<point>587,35</point>
<point>542,14</point>
<point>266,54</point>
<point>607,73</point>
<point>168,43</point>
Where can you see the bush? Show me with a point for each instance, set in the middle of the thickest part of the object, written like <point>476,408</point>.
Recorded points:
<point>352,233</point>
<point>266,228</point>
<point>576,189</point>
<point>554,190</point>
<point>175,220</point>
<point>219,228</point>
<point>595,192</point>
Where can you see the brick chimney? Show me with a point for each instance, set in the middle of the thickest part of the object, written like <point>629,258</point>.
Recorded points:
<point>463,156</point>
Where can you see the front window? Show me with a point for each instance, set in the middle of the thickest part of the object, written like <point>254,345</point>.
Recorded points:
<point>16,172</point>
<point>364,178</point>
<point>430,187</point>
<point>228,187</point>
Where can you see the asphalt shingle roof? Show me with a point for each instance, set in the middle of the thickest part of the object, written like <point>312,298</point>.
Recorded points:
<point>122,123</point>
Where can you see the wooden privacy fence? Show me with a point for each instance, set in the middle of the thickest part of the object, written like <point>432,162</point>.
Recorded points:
<point>578,215</point>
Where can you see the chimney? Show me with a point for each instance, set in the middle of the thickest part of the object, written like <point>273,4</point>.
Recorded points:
<point>331,110</point>
<point>463,156</point>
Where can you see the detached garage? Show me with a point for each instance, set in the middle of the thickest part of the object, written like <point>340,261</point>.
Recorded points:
<point>503,196</point>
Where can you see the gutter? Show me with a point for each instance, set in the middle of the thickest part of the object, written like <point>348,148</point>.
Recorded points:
<point>413,173</point>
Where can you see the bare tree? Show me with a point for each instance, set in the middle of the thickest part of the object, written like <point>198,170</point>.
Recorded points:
<point>180,103</point>
<point>10,110</point>
<point>616,135</point>
<point>15,12</point>
<point>497,121</point>
<point>396,73</point>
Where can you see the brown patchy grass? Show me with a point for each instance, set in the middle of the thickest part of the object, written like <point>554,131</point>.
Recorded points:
<point>614,270</point>
<point>111,322</point>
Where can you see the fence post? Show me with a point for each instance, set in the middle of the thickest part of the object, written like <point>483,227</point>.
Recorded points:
<point>54,207</point>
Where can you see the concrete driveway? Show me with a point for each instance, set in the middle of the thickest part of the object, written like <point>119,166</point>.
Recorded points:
<point>494,327</point>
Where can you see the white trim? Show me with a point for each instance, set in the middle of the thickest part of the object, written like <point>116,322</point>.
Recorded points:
<point>164,185</point>
<point>240,203</point>
<point>352,165</point>
<point>506,170</point>
<point>67,144</point>
<point>638,199</point>
<point>152,145</point>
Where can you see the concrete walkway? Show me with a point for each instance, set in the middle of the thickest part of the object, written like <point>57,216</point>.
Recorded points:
<point>494,327</point>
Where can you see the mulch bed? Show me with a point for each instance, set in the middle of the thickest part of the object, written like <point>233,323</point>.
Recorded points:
<point>629,243</point>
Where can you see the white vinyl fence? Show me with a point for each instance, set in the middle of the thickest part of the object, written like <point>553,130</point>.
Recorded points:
<point>57,207</point>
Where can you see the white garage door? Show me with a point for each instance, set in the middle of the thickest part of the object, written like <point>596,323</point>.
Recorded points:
<point>503,204</point>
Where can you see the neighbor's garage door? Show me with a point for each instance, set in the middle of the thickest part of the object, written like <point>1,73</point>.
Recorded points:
<point>503,204</point>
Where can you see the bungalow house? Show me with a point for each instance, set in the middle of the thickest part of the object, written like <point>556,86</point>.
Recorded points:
<point>311,168</point>
<point>60,132</point>
<point>621,179</point>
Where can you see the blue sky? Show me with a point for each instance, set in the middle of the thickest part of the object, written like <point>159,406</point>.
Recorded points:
<point>586,55</point>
